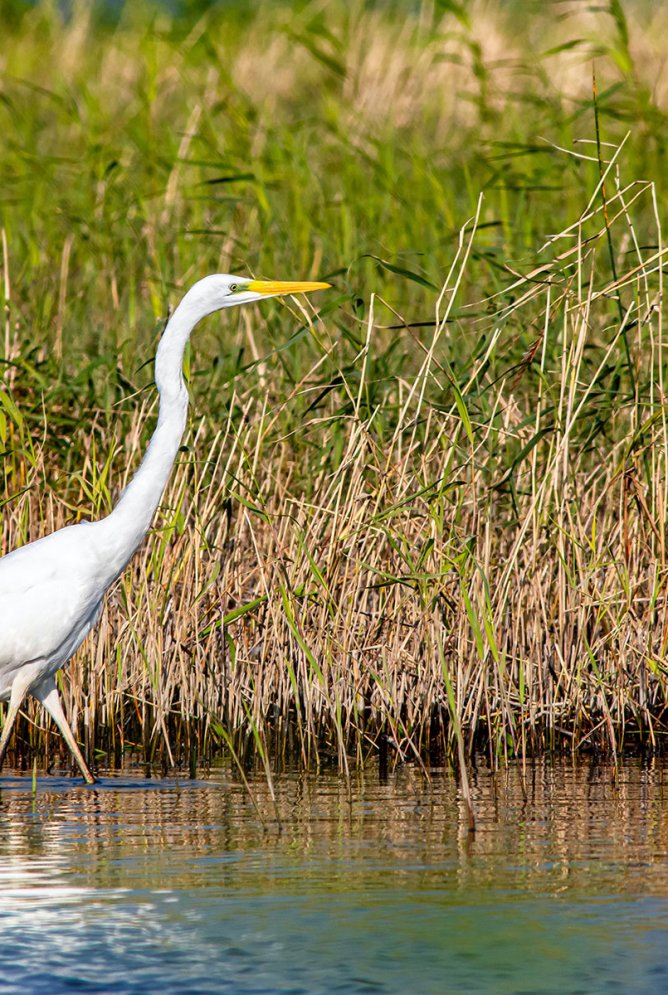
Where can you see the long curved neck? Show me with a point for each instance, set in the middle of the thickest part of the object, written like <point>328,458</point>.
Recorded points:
<point>130,520</point>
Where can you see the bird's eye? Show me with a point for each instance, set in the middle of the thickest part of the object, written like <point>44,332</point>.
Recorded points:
<point>234,287</point>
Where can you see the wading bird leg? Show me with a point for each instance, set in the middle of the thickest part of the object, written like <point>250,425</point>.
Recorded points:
<point>47,694</point>
<point>19,691</point>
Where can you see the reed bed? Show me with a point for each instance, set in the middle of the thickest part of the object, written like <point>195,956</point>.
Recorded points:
<point>424,520</point>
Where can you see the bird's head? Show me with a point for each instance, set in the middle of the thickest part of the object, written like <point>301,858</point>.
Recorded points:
<point>213,293</point>
<point>221,290</point>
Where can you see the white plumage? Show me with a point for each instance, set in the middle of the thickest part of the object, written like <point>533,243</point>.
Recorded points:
<point>52,590</point>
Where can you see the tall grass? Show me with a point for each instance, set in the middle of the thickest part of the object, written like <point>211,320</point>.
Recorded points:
<point>429,518</point>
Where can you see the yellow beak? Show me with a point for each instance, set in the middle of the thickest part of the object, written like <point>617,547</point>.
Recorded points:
<point>279,287</point>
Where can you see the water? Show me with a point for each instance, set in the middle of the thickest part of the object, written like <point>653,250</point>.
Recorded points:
<point>143,886</point>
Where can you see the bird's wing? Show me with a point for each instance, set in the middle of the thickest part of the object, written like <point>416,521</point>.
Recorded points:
<point>48,591</point>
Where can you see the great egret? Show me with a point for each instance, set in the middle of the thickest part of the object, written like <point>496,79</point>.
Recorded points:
<point>51,590</point>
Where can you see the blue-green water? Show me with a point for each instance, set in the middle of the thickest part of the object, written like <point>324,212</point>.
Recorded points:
<point>369,886</point>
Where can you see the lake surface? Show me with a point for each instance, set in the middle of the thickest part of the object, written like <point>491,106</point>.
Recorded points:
<point>370,886</point>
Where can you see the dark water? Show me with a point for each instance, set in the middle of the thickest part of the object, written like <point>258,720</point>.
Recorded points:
<point>180,887</point>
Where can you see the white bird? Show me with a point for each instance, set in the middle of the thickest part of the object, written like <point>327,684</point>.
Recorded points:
<point>52,590</point>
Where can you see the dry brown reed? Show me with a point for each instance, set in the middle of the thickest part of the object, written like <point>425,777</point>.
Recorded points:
<point>411,590</point>
<point>462,550</point>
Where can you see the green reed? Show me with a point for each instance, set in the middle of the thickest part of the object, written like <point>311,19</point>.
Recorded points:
<point>428,518</point>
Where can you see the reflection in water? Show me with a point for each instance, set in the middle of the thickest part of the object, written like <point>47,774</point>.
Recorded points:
<point>135,885</point>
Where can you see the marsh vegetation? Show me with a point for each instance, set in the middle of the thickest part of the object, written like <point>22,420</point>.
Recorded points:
<point>429,516</point>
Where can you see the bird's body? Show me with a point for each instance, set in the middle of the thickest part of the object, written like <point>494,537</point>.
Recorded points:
<point>52,590</point>
<point>63,573</point>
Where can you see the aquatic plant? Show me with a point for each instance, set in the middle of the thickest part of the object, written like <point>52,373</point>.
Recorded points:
<point>429,519</point>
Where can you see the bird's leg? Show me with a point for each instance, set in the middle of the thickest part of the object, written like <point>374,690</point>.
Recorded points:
<point>19,689</point>
<point>47,694</point>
